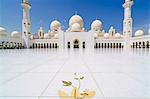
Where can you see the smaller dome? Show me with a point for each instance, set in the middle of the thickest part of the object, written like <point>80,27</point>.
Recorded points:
<point>15,34</point>
<point>111,27</point>
<point>106,35</point>
<point>3,32</point>
<point>96,25</point>
<point>55,25</point>
<point>139,33</point>
<point>31,37</point>
<point>76,27</point>
<point>149,31</point>
<point>2,29</point>
<point>46,36</point>
<point>117,35</point>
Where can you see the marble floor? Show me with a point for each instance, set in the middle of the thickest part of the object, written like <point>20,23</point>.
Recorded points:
<point>38,73</point>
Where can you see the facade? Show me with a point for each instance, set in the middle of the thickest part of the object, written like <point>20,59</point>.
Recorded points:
<point>76,35</point>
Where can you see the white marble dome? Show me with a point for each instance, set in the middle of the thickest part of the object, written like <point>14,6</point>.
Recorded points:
<point>31,37</point>
<point>96,25</point>
<point>76,27</point>
<point>55,25</point>
<point>139,33</point>
<point>149,31</point>
<point>2,29</point>
<point>117,35</point>
<point>106,35</point>
<point>15,34</point>
<point>76,19</point>
<point>3,32</point>
<point>111,27</point>
<point>46,36</point>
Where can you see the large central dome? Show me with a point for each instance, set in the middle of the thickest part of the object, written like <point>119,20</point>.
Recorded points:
<point>76,27</point>
<point>76,19</point>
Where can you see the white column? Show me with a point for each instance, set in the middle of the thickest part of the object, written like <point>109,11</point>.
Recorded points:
<point>26,24</point>
<point>127,23</point>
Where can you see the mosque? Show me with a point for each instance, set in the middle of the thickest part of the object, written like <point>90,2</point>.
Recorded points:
<point>76,35</point>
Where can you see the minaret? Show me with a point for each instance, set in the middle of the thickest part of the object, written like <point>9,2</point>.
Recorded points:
<point>127,23</point>
<point>26,22</point>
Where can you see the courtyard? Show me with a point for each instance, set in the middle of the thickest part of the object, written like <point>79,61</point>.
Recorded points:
<point>38,73</point>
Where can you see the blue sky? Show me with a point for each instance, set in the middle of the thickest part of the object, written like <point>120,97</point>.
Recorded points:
<point>43,12</point>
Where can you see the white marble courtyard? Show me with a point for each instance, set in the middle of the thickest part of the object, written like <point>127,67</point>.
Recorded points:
<point>111,73</point>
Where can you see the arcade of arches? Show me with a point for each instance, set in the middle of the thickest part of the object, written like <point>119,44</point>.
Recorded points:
<point>108,45</point>
<point>143,44</point>
<point>44,45</point>
<point>76,44</point>
<point>10,45</point>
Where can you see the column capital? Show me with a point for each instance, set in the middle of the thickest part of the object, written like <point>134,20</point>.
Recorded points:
<point>128,4</point>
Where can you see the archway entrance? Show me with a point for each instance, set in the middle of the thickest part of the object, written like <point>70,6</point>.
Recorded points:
<point>76,43</point>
